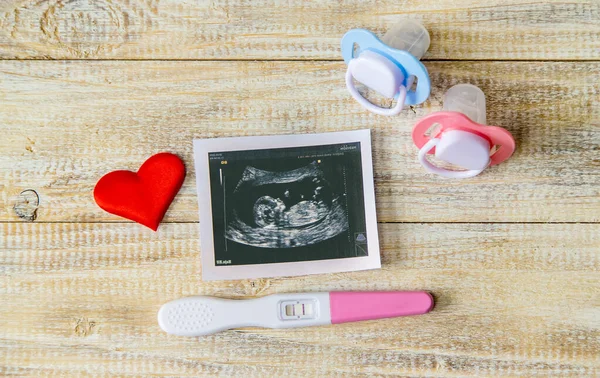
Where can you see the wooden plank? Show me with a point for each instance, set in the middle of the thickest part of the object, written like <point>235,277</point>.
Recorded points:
<point>65,124</point>
<point>512,299</point>
<point>240,29</point>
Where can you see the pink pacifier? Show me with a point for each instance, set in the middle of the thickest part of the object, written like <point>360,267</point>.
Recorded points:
<point>462,138</point>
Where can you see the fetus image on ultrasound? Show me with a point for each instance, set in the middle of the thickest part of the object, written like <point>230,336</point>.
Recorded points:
<point>285,209</point>
<point>288,204</point>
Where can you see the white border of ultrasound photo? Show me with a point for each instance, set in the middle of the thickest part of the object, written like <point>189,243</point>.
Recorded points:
<point>202,147</point>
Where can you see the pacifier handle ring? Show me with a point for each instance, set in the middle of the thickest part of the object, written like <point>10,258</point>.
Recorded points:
<point>396,109</point>
<point>441,171</point>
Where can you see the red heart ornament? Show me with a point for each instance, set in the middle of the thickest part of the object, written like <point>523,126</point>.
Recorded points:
<point>145,196</point>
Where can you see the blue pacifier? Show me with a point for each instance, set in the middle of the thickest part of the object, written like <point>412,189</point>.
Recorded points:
<point>388,66</point>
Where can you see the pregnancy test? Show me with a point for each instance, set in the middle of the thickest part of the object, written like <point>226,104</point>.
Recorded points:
<point>202,315</point>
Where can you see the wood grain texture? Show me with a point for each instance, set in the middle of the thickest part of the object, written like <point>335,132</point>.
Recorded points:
<point>65,124</point>
<point>296,29</point>
<point>512,299</point>
<point>80,288</point>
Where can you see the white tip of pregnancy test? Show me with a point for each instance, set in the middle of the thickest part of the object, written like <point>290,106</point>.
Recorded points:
<point>192,316</point>
<point>204,315</point>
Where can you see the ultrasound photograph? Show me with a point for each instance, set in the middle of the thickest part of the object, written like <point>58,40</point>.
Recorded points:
<point>287,204</point>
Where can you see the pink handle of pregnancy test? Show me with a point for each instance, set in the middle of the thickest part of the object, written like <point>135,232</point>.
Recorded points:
<point>352,306</point>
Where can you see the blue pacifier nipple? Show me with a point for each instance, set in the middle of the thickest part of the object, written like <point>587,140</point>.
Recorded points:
<point>389,65</point>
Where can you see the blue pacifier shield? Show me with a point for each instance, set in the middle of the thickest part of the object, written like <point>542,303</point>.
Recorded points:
<point>407,63</point>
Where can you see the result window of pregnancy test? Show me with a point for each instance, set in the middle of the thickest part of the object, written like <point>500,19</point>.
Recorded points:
<point>293,310</point>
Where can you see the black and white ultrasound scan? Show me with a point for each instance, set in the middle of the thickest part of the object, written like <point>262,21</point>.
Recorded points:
<point>296,206</point>
<point>289,204</point>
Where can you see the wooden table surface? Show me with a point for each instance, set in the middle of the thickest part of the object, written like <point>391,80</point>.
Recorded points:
<point>512,256</point>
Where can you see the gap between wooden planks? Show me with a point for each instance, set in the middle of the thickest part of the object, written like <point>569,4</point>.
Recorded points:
<point>297,29</point>
<point>512,299</point>
<point>65,124</point>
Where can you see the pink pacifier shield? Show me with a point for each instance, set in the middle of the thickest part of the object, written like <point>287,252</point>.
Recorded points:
<point>450,121</point>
